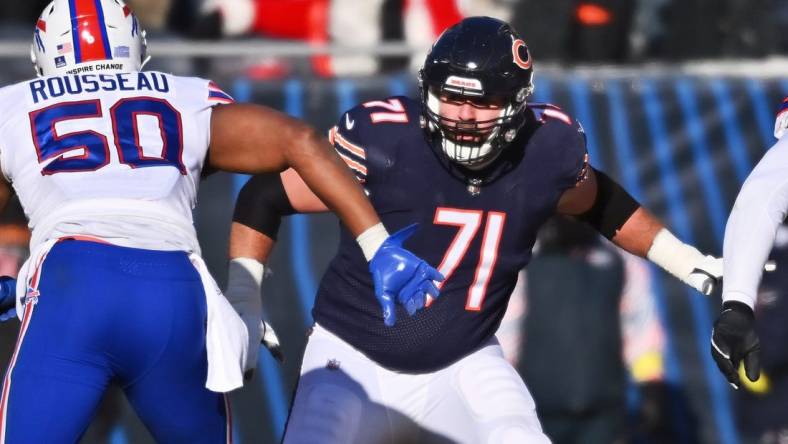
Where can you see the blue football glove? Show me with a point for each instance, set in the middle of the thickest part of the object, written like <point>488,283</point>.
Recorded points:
<point>7,298</point>
<point>401,277</point>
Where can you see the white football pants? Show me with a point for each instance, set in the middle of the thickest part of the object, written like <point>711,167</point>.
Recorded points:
<point>344,397</point>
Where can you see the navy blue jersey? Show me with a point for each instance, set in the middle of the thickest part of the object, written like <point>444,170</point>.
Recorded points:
<point>478,236</point>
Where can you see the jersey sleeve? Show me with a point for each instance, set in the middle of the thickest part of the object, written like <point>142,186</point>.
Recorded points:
<point>347,139</point>
<point>369,136</point>
<point>570,151</point>
<point>216,96</point>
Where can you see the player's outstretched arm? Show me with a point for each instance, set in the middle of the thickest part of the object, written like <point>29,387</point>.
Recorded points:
<point>254,139</point>
<point>606,206</point>
<point>261,204</point>
<point>761,206</point>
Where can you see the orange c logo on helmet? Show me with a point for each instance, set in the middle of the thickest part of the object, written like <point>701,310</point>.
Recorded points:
<point>518,60</point>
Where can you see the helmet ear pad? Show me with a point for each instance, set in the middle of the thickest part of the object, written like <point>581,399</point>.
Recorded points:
<point>482,58</point>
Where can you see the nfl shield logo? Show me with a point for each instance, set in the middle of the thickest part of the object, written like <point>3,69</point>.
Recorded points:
<point>60,61</point>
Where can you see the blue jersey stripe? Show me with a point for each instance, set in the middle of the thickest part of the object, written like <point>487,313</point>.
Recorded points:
<point>219,95</point>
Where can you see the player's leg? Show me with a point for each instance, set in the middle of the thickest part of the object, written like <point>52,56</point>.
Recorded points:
<point>58,373</point>
<point>164,370</point>
<point>481,399</point>
<point>175,406</point>
<point>336,398</point>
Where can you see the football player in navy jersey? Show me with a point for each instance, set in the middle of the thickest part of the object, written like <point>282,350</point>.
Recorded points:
<point>480,169</point>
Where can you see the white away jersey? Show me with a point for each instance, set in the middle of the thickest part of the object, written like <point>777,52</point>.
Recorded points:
<point>114,155</point>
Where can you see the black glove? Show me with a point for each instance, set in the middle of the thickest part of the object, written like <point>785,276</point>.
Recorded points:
<point>733,339</point>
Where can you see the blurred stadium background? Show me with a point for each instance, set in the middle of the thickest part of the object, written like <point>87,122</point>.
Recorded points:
<point>677,99</point>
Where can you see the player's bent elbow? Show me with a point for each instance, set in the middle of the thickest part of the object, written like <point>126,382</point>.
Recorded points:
<point>306,142</point>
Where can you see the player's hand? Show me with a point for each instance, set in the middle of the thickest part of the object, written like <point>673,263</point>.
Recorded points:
<point>401,277</point>
<point>269,339</point>
<point>733,340</point>
<point>7,298</point>
<point>244,294</point>
<point>706,276</point>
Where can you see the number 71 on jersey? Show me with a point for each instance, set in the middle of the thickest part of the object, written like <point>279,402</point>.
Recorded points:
<point>469,222</point>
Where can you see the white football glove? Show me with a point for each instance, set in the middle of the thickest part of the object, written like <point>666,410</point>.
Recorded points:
<point>244,284</point>
<point>706,276</point>
<point>685,262</point>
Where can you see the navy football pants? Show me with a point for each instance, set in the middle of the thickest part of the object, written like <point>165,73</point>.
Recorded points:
<point>107,314</point>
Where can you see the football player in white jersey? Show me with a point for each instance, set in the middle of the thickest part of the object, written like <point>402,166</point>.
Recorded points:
<point>760,208</point>
<point>106,161</point>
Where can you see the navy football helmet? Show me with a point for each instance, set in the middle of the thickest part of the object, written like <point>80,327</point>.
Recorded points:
<point>483,60</point>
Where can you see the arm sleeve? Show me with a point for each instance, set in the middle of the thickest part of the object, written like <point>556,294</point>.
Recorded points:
<point>749,235</point>
<point>612,208</point>
<point>262,203</point>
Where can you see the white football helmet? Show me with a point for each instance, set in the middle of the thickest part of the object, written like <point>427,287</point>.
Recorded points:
<point>74,36</point>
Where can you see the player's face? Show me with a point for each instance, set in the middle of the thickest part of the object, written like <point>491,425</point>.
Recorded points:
<point>476,115</point>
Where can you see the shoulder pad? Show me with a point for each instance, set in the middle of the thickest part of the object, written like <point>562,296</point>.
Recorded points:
<point>367,136</point>
<point>562,140</point>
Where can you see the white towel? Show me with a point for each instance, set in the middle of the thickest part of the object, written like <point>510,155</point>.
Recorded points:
<point>226,339</point>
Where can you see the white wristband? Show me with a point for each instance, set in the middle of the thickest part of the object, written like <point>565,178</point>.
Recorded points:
<point>371,239</point>
<point>673,255</point>
<point>244,279</point>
